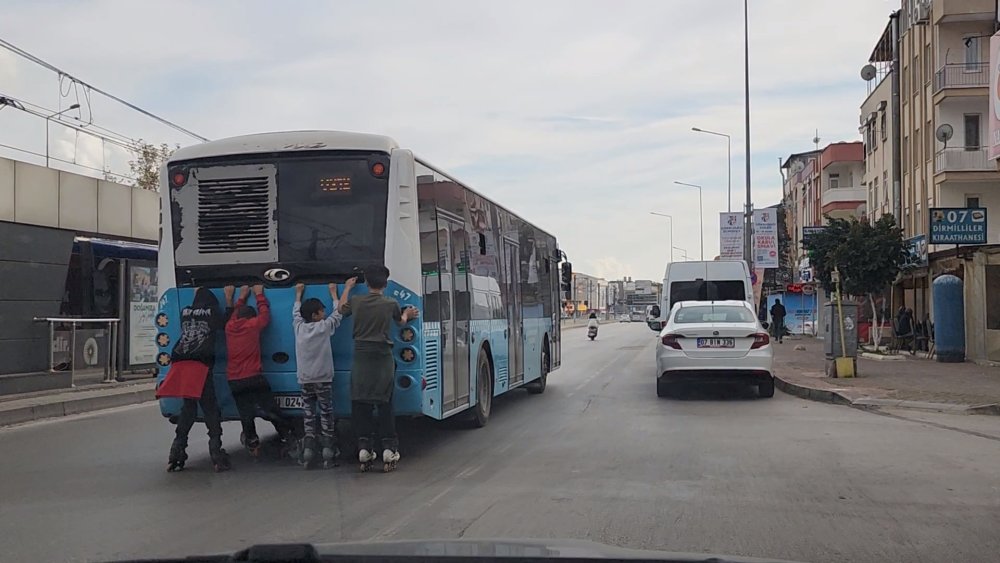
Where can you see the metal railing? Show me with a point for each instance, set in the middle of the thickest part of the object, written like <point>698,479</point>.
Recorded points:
<point>963,159</point>
<point>961,75</point>
<point>110,366</point>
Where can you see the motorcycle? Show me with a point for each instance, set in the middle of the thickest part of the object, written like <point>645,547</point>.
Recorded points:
<point>592,332</point>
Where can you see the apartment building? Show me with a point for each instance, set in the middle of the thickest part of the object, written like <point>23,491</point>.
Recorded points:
<point>944,90</point>
<point>827,182</point>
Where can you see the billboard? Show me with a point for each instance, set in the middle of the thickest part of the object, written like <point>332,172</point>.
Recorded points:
<point>765,238</point>
<point>142,303</point>
<point>958,225</point>
<point>994,111</point>
<point>643,287</point>
<point>731,236</point>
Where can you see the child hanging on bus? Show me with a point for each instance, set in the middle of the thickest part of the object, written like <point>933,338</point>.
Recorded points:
<point>373,371</point>
<point>190,378</point>
<point>314,360</point>
<point>251,391</point>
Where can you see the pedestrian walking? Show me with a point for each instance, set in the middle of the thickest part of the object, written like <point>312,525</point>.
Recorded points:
<point>190,378</point>
<point>778,320</point>
<point>314,361</point>
<point>251,390</point>
<point>373,371</point>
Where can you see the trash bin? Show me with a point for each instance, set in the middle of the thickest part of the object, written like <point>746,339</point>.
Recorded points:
<point>832,334</point>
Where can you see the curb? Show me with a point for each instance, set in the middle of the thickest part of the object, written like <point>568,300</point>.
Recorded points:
<point>820,395</point>
<point>70,406</point>
<point>866,403</point>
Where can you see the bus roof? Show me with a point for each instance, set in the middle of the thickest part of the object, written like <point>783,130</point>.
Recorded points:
<point>286,141</point>
<point>311,140</point>
<point>480,194</point>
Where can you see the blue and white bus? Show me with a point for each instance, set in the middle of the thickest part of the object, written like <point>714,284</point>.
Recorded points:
<point>313,207</point>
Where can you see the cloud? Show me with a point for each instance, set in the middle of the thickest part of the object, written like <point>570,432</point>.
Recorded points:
<point>575,114</point>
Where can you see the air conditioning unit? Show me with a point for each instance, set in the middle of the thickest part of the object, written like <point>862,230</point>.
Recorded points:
<point>921,11</point>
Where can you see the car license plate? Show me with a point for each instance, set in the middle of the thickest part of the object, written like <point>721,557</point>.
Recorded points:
<point>716,343</point>
<point>289,401</point>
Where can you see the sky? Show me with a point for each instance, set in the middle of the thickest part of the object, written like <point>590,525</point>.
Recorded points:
<point>577,115</point>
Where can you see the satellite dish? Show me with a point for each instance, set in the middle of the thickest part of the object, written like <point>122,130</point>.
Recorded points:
<point>797,166</point>
<point>944,133</point>
<point>868,72</point>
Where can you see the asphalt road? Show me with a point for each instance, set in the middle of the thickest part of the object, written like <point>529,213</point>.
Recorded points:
<point>597,457</point>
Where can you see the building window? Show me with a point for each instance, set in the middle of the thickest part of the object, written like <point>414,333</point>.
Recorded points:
<point>882,125</point>
<point>972,54</point>
<point>972,201</point>
<point>928,64</point>
<point>834,181</point>
<point>972,133</point>
<point>916,75</point>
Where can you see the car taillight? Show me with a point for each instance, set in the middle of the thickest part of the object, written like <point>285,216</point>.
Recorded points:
<point>670,341</point>
<point>760,340</point>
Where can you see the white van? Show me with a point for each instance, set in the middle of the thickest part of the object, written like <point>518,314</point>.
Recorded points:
<point>715,280</point>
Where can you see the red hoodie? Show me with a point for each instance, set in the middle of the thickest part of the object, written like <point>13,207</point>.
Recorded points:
<point>243,340</point>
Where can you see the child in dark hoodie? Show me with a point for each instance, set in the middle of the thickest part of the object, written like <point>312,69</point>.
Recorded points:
<point>190,377</point>
<point>250,388</point>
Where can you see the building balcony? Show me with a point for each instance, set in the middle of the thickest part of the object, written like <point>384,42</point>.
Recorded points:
<point>962,159</point>
<point>962,76</point>
<point>843,198</point>
<point>960,11</point>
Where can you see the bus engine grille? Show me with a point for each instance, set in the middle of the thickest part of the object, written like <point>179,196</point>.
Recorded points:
<point>234,215</point>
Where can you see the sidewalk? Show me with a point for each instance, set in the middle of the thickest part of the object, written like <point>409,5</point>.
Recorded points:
<point>26,407</point>
<point>913,382</point>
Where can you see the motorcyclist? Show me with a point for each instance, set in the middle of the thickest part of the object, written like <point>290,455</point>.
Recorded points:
<point>592,324</point>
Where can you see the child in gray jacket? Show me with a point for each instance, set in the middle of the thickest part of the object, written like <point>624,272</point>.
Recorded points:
<point>314,361</point>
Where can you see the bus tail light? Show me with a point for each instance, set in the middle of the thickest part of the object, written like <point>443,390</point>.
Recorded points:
<point>178,177</point>
<point>378,169</point>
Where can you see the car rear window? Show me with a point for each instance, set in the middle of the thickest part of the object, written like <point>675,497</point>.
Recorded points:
<point>713,314</point>
<point>702,290</point>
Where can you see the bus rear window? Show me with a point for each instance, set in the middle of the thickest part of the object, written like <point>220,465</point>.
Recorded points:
<point>331,210</point>
<point>701,290</point>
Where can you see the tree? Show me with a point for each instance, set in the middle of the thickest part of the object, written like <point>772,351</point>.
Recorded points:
<point>868,257</point>
<point>145,166</point>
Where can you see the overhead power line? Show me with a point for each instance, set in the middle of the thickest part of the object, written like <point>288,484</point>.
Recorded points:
<point>41,62</point>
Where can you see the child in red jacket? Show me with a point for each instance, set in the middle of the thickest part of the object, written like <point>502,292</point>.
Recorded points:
<point>251,390</point>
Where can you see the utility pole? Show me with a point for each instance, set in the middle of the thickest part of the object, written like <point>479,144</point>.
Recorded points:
<point>748,228</point>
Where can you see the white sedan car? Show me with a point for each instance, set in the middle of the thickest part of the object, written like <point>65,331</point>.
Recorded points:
<point>712,342</point>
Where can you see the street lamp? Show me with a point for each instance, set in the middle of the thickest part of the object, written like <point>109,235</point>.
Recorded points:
<point>748,226</point>
<point>49,117</point>
<point>701,214</point>
<point>729,162</point>
<point>671,231</point>
<point>684,253</point>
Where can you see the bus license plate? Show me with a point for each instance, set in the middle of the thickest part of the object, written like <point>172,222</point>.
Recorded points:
<point>289,401</point>
<point>716,343</point>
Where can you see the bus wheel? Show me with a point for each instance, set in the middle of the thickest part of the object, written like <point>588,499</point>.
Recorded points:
<point>484,393</point>
<point>537,387</point>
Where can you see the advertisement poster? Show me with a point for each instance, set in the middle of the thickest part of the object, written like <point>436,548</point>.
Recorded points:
<point>731,236</point>
<point>994,105</point>
<point>142,301</point>
<point>765,238</point>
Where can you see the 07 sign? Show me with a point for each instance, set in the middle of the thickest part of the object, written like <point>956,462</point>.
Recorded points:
<point>958,225</point>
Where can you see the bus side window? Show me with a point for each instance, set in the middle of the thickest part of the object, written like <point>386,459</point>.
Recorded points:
<point>481,305</point>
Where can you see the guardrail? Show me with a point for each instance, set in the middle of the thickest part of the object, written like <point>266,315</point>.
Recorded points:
<point>110,367</point>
